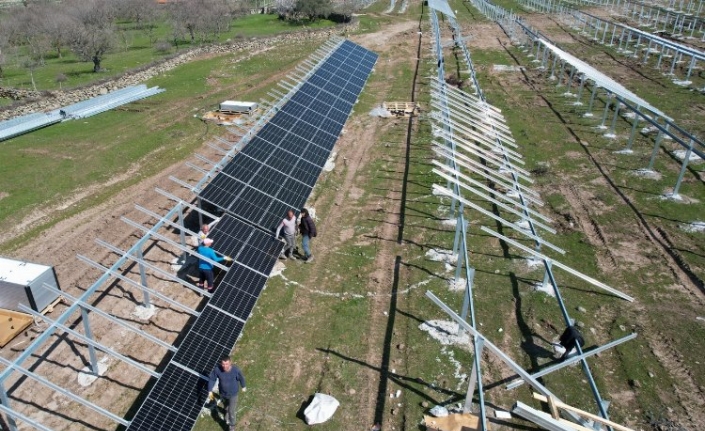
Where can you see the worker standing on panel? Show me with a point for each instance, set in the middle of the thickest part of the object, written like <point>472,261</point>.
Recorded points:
<point>230,381</point>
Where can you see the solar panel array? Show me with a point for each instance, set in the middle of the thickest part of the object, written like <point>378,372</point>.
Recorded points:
<point>176,400</point>
<point>278,168</point>
<point>276,171</point>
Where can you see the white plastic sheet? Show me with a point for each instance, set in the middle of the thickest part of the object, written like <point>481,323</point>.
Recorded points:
<point>321,409</point>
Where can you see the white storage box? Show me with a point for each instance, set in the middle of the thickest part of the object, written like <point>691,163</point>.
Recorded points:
<point>21,283</point>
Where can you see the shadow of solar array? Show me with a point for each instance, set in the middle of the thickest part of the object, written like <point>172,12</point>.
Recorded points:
<point>275,172</point>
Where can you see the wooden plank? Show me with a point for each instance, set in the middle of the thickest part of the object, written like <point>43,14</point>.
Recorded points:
<point>454,422</point>
<point>50,308</point>
<point>584,413</point>
<point>552,407</point>
<point>12,323</point>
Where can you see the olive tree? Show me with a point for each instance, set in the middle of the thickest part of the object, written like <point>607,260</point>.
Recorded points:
<point>92,33</point>
<point>199,19</point>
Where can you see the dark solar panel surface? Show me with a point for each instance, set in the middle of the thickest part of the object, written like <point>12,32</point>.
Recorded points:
<point>173,403</point>
<point>279,167</point>
<point>213,335</point>
<point>276,171</point>
<point>247,245</point>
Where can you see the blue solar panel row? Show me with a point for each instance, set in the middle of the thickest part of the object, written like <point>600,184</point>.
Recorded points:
<point>173,403</point>
<point>279,167</point>
<point>276,171</point>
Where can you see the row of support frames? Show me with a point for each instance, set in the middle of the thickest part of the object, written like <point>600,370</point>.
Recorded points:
<point>693,8</point>
<point>655,18</point>
<point>638,44</point>
<point>174,219</point>
<point>467,122</point>
<point>680,21</point>
<point>632,41</point>
<point>569,71</point>
<point>82,305</point>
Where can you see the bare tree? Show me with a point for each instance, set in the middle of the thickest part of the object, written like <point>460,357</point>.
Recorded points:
<point>60,79</point>
<point>24,27</point>
<point>3,53</point>
<point>346,8</point>
<point>31,64</point>
<point>56,25</point>
<point>93,30</point>
<point>314,9</point>
<point>285,8</point>
<point>144,15</point>
<point>202,19</point>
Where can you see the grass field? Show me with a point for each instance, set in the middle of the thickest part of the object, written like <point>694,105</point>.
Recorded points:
<point>47,167</point>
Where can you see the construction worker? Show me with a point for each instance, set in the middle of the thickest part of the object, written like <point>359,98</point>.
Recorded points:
<point>205,268</point>
<point>230,381</point>
<point>307,229</point>
<point>202,234</point>
<point>289,226</point>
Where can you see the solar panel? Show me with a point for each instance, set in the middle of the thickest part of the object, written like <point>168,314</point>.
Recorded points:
<point>173,404</point>
<point>218,327</point>
<point>199,353</point>
<point>273,173</point>
<point>155,416</point>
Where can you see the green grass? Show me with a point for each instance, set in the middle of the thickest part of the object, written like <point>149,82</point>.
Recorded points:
<point>50,165</point>
<point>139,51</point>
<point>270,24</point>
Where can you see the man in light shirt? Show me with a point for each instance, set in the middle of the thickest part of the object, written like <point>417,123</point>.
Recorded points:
<point>288,225</point>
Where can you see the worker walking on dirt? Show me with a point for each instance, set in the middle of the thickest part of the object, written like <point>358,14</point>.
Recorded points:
<point>205,268</point>
<point>230,381</point>
<point>289,227</point>
<point>307,229</point>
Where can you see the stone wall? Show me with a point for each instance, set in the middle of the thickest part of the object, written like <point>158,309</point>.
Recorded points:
<point>35,101</point>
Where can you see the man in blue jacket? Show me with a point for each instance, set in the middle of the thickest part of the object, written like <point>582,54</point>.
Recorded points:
<point>230,380</point>
<point>205,268</point>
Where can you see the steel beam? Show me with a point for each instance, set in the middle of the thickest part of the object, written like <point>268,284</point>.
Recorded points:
<point>555,263</point>
<point>63,391</point>
<point>573,359</point>
<point>90,341</point>
<point>112,318</point>
<point>110,272</point>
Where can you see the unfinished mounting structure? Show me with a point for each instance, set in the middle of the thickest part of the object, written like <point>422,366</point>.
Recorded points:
<point>474,141</point>
<point>328,83</point>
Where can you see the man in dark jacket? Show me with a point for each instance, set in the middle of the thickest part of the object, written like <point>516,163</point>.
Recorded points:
<point>307,229</point>
<point>230,380</point>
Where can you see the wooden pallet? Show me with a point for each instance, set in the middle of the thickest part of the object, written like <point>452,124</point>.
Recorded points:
<point>401,109</point>
<point>50,308</point>
<point>12,323</point>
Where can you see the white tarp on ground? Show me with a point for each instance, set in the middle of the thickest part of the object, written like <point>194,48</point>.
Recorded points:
<point>321,409</point>
<point>441,6</point>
